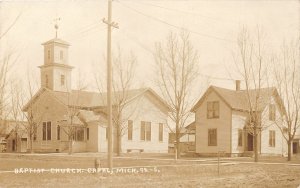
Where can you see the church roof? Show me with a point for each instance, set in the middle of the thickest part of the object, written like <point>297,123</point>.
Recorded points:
<point>91,100</point>
<point>88,99</point>
<point>238,100</point>
<point>56,40</point>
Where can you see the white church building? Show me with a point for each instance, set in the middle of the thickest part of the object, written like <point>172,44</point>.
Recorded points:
<point>61,113</point>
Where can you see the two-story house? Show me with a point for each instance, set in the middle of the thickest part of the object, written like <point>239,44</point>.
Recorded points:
<point>222,122</point>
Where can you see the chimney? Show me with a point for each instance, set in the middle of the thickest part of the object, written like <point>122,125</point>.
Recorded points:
<point>238,85</point>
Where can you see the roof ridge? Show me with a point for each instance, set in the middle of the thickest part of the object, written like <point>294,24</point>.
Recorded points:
<point>241,89</point>
<point>95,92</point>
<point>57,40</point>
<point>237,99</point>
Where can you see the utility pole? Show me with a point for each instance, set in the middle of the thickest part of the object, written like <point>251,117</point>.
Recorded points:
<point>109,84</point>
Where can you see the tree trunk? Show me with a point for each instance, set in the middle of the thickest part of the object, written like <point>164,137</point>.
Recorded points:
<point>177,135</point>
<point>70,145</point>
<point>255,144</point>
<point>178,147</point>
<point>31,143</point>
<point>289,150</point>
<point>119,137</point>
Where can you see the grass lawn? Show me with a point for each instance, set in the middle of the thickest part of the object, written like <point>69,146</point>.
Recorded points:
<point>235,172</point>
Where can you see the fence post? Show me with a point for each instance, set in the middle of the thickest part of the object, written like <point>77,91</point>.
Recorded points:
<point>97,163</point>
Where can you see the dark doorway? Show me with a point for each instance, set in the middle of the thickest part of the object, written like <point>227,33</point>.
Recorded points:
<point>295,147</point>
<point>250,142</point>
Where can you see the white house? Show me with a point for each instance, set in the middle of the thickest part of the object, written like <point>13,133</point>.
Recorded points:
<point>58,111</point>
<point>222,116</point>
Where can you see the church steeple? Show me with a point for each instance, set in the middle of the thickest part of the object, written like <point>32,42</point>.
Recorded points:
<point>56,73</point>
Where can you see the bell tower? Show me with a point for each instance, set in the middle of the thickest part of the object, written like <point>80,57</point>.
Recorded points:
<point>56,72</point>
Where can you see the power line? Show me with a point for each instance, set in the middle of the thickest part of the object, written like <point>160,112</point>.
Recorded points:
<point>216,78</point>
<point>175,26</point>
<point>138,43</point>
<point>78,32</point>
<point>151,52</point>
<point>84,29</point>
<point>185,12</point>
<point>88,33</point>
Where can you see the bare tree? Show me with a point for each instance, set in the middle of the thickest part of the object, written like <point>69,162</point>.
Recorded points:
<point>287,80</point>
<point>252,65</point>
<point>176,66</point>
<point>7,59</point>
<point>33,120</point>
<point>15,96</point>
<point>71,123</point>
<point>123,75</point>
<point>33,114</point>
<point>69,127</point>
<point>3,81</point>
<point>6,62</point>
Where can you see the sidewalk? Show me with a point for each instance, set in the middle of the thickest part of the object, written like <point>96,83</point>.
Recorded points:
<point>151,156</point>
<point>52,155</point>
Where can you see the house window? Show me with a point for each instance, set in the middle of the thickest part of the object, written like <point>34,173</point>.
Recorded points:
<point>272,112</point>
<point>46,80</point>
<point>48,54</point>
<point>47,130</point>
<point>272,138</point>
<point>161,131</point>
<point>58,132</point>
<point>44,130</point>
<point>79,134</point>
<point>213,109</point>
<point>240,137</point>
<point>130,129</point>
<point>87,133</point>
<point>61,55</point>
<point>212,137</point>
<point>62,80</point>
<point>146,131</point>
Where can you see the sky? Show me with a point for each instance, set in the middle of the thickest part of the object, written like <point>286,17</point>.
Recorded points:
<point>213,27</point>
